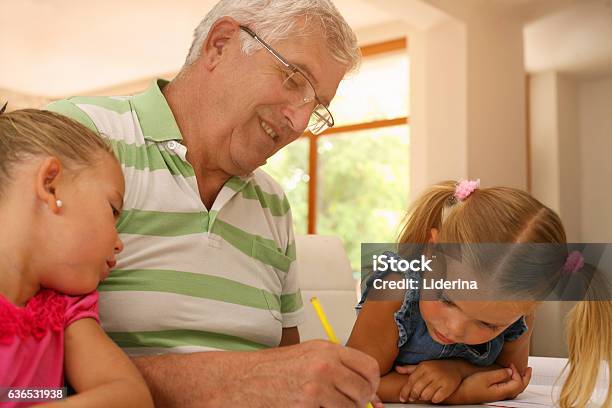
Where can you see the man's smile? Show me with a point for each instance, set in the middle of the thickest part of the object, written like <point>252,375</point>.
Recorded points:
<point>268,129</point>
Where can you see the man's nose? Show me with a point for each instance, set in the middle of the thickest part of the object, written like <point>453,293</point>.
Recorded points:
<point>298,116</point>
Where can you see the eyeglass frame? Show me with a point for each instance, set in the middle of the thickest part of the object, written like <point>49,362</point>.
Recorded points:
<point>289,66</point>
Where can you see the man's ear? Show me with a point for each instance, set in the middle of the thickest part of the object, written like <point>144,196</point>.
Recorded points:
<point>47,179</point>
<point>219,36</point>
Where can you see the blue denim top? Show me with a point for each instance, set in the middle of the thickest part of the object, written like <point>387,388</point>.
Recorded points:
<point>416,345</point>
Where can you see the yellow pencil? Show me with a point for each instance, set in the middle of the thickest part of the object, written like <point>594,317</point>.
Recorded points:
<point>323,318</point>
<point>326,326</point>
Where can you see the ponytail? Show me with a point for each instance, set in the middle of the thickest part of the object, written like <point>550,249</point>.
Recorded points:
<point>427,212</point>
<point>589,336</point>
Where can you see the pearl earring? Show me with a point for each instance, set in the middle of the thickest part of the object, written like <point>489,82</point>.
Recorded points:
<point>59,203</point>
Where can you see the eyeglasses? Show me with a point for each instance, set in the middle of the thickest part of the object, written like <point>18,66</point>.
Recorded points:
<point>301,90</point>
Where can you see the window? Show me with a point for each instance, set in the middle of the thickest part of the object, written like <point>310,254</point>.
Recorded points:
<point>352,181</point>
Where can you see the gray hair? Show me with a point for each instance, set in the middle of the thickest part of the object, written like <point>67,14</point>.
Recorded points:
<point>275,20</point>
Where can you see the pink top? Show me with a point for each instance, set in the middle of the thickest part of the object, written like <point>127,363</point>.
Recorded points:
<point>32,337</point>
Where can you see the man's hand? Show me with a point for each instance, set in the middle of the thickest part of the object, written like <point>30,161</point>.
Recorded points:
<point>432,380</point>
<point>377,402</point>
<point>490,386</point>
<point>311,374</point>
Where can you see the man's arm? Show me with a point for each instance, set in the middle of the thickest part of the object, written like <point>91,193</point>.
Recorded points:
<point>315,373</point>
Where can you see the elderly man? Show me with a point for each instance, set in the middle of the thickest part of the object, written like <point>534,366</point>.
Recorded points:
<point>209,259</point>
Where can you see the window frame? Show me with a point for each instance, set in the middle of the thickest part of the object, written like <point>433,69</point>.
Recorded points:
<point>398,44</point>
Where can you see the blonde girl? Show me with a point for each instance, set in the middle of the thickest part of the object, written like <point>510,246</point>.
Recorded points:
<point>455,351</point>
<point>61,192</point>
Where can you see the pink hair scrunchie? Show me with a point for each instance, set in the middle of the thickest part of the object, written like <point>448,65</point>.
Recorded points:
<point>573,263</point>
<point>465,188</point>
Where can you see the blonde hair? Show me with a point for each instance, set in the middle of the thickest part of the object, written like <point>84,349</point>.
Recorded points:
<point>494,215</point>
<point>30,132</point>
<point>589,334</point>
<point>275,20</point>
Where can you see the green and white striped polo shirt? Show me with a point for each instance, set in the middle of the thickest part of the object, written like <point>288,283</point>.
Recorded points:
<point>189,279</point>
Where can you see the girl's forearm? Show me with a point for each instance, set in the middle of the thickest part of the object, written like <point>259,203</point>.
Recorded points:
<point>468,368</point>
<point>120,393</point>
<point>390,386</point>
<point>392,382</point>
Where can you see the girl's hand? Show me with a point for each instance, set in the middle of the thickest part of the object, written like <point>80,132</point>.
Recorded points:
<point>490,386</point>
<point>432,380</point>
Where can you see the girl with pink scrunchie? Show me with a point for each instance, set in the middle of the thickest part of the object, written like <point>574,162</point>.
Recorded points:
<point>456,350</point>
<point>61,193</point>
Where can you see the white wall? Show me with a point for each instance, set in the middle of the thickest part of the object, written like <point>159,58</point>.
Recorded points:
<point>496,143</point>
<point>17,100</point>
<point>543,140</point>
<point>555,147</point>
<point>570,175</point>
<point>571,145</point>
<point>595,112</point>
<point>496,101</point>
<point>439,104</point>
<point>468,101</point>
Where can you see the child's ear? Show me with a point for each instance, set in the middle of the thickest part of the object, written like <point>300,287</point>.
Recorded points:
<point>216,43</point>
<point>47,179</point>
<point>433,236</point>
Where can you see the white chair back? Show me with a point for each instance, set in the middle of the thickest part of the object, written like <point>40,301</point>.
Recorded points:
<point>325,272</point>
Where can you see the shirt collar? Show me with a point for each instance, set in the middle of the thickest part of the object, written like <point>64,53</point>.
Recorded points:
<point>156,119</point>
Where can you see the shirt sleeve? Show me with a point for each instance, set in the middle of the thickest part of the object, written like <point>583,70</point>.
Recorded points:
<point>369,276</point>
<point>69,109</point>
<point>81,307</point>
<point>515,330</point>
